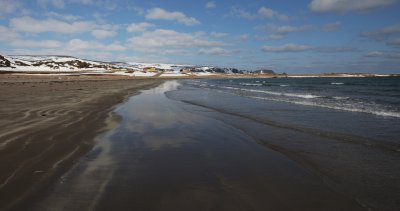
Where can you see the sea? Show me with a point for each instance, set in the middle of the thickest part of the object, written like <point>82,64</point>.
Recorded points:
<point>377,96</point>
<point>365,107</point>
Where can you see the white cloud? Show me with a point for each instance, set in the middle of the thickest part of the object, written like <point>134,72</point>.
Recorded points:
<point>244,37</point>
<point>335,49</point>
<point>395,42</point>
<point>162,39</point>
<point>331,27</point>
<point>274,37</point>
<point>214,51</point>
<point>6,35</point>
<point>283,30</point>
<point>56,3</point>
<point>383,55</point>
<point>78,44</point>
<point>66,17</point>
<point>287,48</point>
<point>268,13</point>
<point>382,34</point>
<point>138,10</point>
<point>277,32</point>
<point>139,27</point>
<point>74,47</point>
<point>9,6</point>
<point>242,13</point>
<point>218,34</point>
<point>85,2</point>
<point>261,13</point>
<point>161,14</point>
<point>82,45</point>
<point>31,25</point>
<point>36,43</point>
<point>326,6</point>
<point>102,34</point>
<point>210,5</point>
<point>104,4</point>
<point>116,46</point>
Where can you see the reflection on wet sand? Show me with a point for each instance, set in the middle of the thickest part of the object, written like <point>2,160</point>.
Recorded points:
<point>162,156</point>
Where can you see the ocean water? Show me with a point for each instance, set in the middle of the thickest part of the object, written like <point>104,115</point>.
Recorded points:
<point>344,130</point>
<point>364,110</point>
<point>378,96</point>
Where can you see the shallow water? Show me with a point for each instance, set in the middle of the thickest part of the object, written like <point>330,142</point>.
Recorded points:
<point>377,96</point>
<point>355,153</point>
<point>172,155</point>
<point>182,146</point>
<point>364,108</point>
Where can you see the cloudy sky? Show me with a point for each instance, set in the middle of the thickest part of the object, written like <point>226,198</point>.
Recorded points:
<point>302,36</point>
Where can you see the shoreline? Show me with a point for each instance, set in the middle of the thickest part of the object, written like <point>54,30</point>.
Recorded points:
<point>139,165</point>
<point>194,76</point>
<point>48,123</point>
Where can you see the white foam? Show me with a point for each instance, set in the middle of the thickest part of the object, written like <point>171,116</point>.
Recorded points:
<point>337,83</point>
<point>303,76</point>
<point>309,103</point>
<point>340,98</point>
<point>306,96</point>
<point>250,84</point>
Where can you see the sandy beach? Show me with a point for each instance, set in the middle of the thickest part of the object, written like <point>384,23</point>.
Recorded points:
<point>104,143</point>
<point>47,123</point>
<point>199,105</point>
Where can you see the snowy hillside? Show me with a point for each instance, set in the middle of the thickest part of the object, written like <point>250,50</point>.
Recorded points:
<point>159,66</point>
<point>52,63</point>
<point>68,64</point>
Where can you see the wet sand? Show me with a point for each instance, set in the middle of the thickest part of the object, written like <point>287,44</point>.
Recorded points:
<point>47,123</point>
<point>166,155</point>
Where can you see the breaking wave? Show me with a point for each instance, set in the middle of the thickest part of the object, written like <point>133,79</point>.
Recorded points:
<point>336,107</point>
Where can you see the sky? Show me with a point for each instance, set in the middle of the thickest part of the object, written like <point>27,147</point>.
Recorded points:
<point>302,36</point>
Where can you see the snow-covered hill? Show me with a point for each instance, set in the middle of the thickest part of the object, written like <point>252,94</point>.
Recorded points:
<point>53,64</point>
<point>68,64</point>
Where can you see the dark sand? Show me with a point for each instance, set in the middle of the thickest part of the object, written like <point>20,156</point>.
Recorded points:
<point>47,123</point>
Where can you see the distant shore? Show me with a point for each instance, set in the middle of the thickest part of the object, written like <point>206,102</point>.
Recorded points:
<point>47,123</point>
<point>120,75</point>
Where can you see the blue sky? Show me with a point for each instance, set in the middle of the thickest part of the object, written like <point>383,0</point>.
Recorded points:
<point>302,36</point>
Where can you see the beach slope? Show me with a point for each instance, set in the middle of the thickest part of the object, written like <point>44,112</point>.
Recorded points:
<point>47,123</point>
